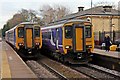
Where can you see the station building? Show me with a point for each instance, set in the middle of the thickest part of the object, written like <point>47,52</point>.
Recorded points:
<point>105,21</point>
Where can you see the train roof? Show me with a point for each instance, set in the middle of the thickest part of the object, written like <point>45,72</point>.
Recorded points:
<point>60,24</point>
<point>23,23</point>
<point>77,20</point>
<point>11,29</point>
<point>52,26</point>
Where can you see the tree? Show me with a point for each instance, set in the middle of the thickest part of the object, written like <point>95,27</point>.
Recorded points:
<point>17,18</point>
<point>5,28</point>
<point>28,15</point>
<point>0,32</point>
<point>50,14</point>
<point>22,16</point>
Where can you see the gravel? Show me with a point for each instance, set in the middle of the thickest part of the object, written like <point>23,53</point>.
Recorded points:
<point>39,70</point>
<point>62,69</point>
<point>113,72</point>
<point>93,73</point>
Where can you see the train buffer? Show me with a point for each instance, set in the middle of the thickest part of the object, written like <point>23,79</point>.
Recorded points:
<point>12,66</point>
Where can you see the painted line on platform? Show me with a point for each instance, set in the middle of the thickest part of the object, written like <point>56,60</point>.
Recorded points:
<point>5,70</point>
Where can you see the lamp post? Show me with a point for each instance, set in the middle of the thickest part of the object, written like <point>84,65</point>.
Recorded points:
<point>111,26</point>
<point>91,10</point>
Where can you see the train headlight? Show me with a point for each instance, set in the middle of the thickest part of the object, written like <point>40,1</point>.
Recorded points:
<point>89,46</point>
<point>20,44</point>
<point>67,47</point>
<point>37,43</point>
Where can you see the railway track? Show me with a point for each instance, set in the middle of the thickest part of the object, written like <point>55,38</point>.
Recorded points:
<point>59,75</point>
<point>39,70</point>
<point>87,71</point>
<point>108,71</point>
<point>65,71</point>
<point>96,72</point>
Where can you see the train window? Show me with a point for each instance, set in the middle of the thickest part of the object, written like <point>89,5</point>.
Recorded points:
<point>20,32</point>
<point>49,35</point>
<point>68,32</point>
<point>37,32</point>
<point>88,31</point>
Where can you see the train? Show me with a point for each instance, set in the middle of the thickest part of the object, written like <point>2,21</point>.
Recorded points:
<point>26,38</point>
<point>69,41</point>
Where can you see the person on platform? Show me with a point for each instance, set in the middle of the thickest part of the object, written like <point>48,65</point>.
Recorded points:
<point>107,43</point>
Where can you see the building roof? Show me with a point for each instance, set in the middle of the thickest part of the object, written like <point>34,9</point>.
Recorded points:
<point>99,10</point>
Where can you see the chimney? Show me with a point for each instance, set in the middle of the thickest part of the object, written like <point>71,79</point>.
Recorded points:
<point>80,9</point>
<point>107,8</point>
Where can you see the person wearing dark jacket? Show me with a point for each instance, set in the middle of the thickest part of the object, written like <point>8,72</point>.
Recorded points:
<point>107,43</point>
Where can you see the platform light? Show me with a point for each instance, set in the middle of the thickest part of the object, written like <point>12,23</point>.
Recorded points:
<point>88,19</point>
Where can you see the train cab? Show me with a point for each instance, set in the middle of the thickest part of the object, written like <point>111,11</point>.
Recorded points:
<point>26,37</point>
<point>68,41</point>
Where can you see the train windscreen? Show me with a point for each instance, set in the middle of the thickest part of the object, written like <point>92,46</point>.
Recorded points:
<point>88,31</point>
<point>68,32</point>
<point>37,32</point>
<point>21,32</point>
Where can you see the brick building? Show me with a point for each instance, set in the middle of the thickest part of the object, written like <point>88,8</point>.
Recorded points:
<point>105,20</point>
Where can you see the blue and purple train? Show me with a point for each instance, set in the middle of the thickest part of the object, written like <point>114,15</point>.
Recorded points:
<point>71,41</point>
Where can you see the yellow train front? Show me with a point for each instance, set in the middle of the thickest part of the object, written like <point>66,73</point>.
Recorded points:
<point>26,37</point>
<point>71,41</point>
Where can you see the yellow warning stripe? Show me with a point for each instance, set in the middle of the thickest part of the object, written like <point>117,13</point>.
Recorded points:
<point>5,65</point>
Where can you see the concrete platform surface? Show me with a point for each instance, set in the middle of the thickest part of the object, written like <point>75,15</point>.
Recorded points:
<point>114,54</point>
<point>12,66</point>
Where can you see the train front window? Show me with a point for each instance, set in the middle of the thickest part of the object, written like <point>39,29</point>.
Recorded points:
<point>88,31</point>
<point>37,32</point>
<point>68,32</point>
<point>20,32</point>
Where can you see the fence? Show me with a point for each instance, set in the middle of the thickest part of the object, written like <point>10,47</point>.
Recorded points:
<point>99,36</point>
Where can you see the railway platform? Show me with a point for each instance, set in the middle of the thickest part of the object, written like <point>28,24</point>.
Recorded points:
<point>113,54</point>
<point>110,60</point>
<point>12,66</point>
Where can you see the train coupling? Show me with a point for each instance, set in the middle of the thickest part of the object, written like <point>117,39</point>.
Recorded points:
<point>79,55</point>
<point>29,51</point>
<point>91,55</point>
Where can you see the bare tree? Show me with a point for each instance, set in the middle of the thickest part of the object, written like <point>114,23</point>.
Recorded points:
<point>51,14</point>
<point>28,15</point>
<point>61,11</point>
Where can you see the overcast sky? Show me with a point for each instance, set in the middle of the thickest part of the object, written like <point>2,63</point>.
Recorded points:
<point>9,7</point>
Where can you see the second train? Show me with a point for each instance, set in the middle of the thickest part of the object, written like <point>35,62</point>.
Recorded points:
<point>70,41</point>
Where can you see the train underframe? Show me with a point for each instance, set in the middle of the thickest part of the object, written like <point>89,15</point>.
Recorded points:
<point>71,57</point>
<point>29,53</point>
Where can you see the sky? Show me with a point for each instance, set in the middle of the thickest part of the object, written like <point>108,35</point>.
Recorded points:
<point>9,7</point>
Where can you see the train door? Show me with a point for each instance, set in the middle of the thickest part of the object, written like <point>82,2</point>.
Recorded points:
<point>57,39</point>
<point>29,32</point>
<point>79,38</point>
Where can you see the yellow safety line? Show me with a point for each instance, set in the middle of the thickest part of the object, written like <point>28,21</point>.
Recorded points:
<point>5,65</point>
